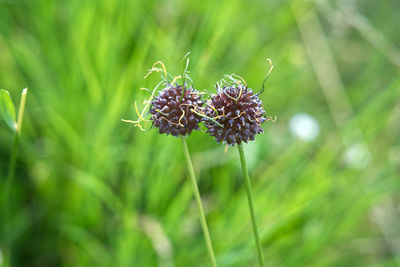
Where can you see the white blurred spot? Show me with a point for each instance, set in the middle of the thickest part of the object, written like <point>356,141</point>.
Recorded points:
<point>304,126</point>
<point>357,156</point>
<point>1,258</point>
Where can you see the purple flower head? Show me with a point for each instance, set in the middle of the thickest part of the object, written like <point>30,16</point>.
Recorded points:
<point>238,113</point>
<point>174,110</point>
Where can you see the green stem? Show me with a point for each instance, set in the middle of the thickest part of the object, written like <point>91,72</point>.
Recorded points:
<point>251,205</point>
<point>13,161</point>
<point>11,174</point>
<point>199,204</point>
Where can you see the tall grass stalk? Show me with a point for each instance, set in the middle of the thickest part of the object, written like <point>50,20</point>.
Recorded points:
<point>199,204</point>
<point>251,205</point>
<point>14,154</point>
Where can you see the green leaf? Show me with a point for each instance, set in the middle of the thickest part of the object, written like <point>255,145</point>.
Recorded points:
<point>7,110</point>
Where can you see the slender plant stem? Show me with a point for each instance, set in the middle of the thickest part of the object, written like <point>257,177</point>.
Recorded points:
<point>11,174</point>
<point>199,204</point>
<point>9,181</point>
<point>14,153</point>
<point>251,205</point>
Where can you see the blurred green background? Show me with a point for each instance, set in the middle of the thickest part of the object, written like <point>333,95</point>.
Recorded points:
<point>91,190</point>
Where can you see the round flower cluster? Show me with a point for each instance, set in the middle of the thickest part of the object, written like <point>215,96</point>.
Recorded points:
<point>238,113</point>
<point>173,111</point>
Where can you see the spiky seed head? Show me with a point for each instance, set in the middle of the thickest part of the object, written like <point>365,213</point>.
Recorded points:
<point>239,112</point>
<point>173,110</point>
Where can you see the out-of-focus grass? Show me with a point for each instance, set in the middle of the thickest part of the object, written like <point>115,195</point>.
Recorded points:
<point>93,191</point>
